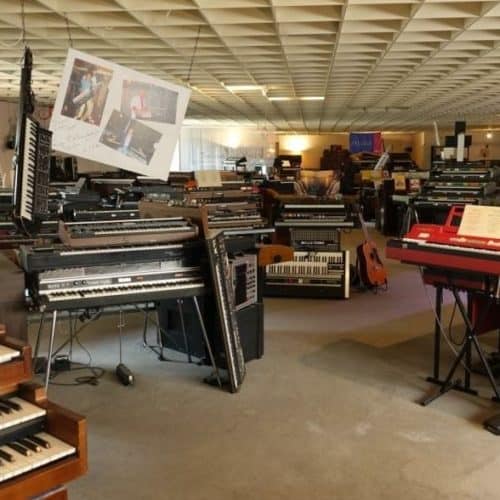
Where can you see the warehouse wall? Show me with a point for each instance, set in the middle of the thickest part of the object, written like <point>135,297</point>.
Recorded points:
<point>311,146</point>
<point>8,112</point>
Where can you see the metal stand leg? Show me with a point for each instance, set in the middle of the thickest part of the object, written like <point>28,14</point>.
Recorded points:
<point>437,336</point>
<point>51,348</point>
<point>39,334</point>
<point>145,330</point>
<point>471,339</point>
<point>207,342</point>
<point>468,351</point>
<point>183,327</point>
<point>159,339</point>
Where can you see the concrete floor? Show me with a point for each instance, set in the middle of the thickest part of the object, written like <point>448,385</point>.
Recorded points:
<point>329,412</point>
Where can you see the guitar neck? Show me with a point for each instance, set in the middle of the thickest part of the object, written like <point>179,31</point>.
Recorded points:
<point>363,226</point>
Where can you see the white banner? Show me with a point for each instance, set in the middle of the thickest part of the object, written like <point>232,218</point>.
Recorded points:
<point>117,116</point>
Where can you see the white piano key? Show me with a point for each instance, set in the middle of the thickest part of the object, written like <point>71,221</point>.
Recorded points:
<point>22,464</point>
<point>7,354</point>
<point>28,412</point>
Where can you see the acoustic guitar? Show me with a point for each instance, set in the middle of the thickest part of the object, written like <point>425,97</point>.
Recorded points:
<point>371,269</point>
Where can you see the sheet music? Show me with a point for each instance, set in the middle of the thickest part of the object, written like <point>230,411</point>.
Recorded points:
<point>208,178</point>
<point>480,221</point>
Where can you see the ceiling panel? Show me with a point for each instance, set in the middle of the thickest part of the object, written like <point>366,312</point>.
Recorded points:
<point>397,64</point>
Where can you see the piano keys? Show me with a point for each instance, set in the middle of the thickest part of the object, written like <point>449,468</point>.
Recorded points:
<point>20,456</point>
<point>430,245</point>
<point>310,274</point>
<point>100,286</point>
<point>15,411</point>
<point>42,445</point>
<point>32,159</point>
<point>234,218</point>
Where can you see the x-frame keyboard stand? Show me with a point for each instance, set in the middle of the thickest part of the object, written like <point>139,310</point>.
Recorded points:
<point>465,353</point>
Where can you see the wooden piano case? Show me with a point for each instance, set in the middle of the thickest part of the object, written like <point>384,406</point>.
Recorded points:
<point>46,481</point>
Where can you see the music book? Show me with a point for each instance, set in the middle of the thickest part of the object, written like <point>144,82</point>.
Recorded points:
<point>208,178</point>
<point>481,221</point>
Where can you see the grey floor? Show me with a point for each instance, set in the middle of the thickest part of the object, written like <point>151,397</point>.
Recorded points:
<point>329,412</point>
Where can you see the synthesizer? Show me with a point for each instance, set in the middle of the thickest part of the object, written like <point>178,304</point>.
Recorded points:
<point>42,258</point>
<point>232,218</point>
<point>430,245</point>
<point>457,184</point>
<point>96,233</point>
<point>320,215</point>
<point>100,286</point>
<point>31,159</point>
<point>78,215</point>
<point>310,274</point>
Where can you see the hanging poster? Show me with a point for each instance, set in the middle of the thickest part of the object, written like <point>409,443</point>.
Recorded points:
<point>369,142</point>
<point>117,116</point>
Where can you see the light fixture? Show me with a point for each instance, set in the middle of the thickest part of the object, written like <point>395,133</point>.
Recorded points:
<point>312,98</point>
<point>489,134</point>
<point>243,88</point>
<point>306,98</point>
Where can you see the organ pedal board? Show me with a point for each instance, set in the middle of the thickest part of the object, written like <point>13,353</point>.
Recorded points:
<point>42,445</point>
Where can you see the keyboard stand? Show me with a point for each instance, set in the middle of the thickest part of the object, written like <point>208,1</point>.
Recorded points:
<point>465,353</point>
<point>51,353</point>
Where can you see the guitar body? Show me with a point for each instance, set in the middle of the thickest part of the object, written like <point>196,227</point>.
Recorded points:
<point>371,268</point>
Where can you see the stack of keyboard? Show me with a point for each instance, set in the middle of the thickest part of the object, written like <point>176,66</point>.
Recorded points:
<point>451,183</point>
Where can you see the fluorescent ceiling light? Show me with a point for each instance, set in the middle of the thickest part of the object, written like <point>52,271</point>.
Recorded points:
<point>312,98</point>
<point>243,88</point>
<point>307,98</point>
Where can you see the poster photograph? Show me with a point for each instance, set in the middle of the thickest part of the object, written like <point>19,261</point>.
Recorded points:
<point>114,115</point>
<point>130,137</point>
<point>86,92</point>
<point>149,102</point>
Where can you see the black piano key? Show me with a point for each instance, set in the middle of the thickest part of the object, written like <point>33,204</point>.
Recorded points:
<point>20,449</point>
<point>40,441</point>
<point>11,404</point>
<point>5,409</point>
<point>29,445</point>
<point>6,456</point>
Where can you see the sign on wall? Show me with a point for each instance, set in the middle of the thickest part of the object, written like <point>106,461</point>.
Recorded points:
<point>370,142</point>
<point>117,116</point>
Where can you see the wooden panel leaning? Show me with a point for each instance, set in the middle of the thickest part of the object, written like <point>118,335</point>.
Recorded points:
<point>17,369</point>
<point>42,445</point>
